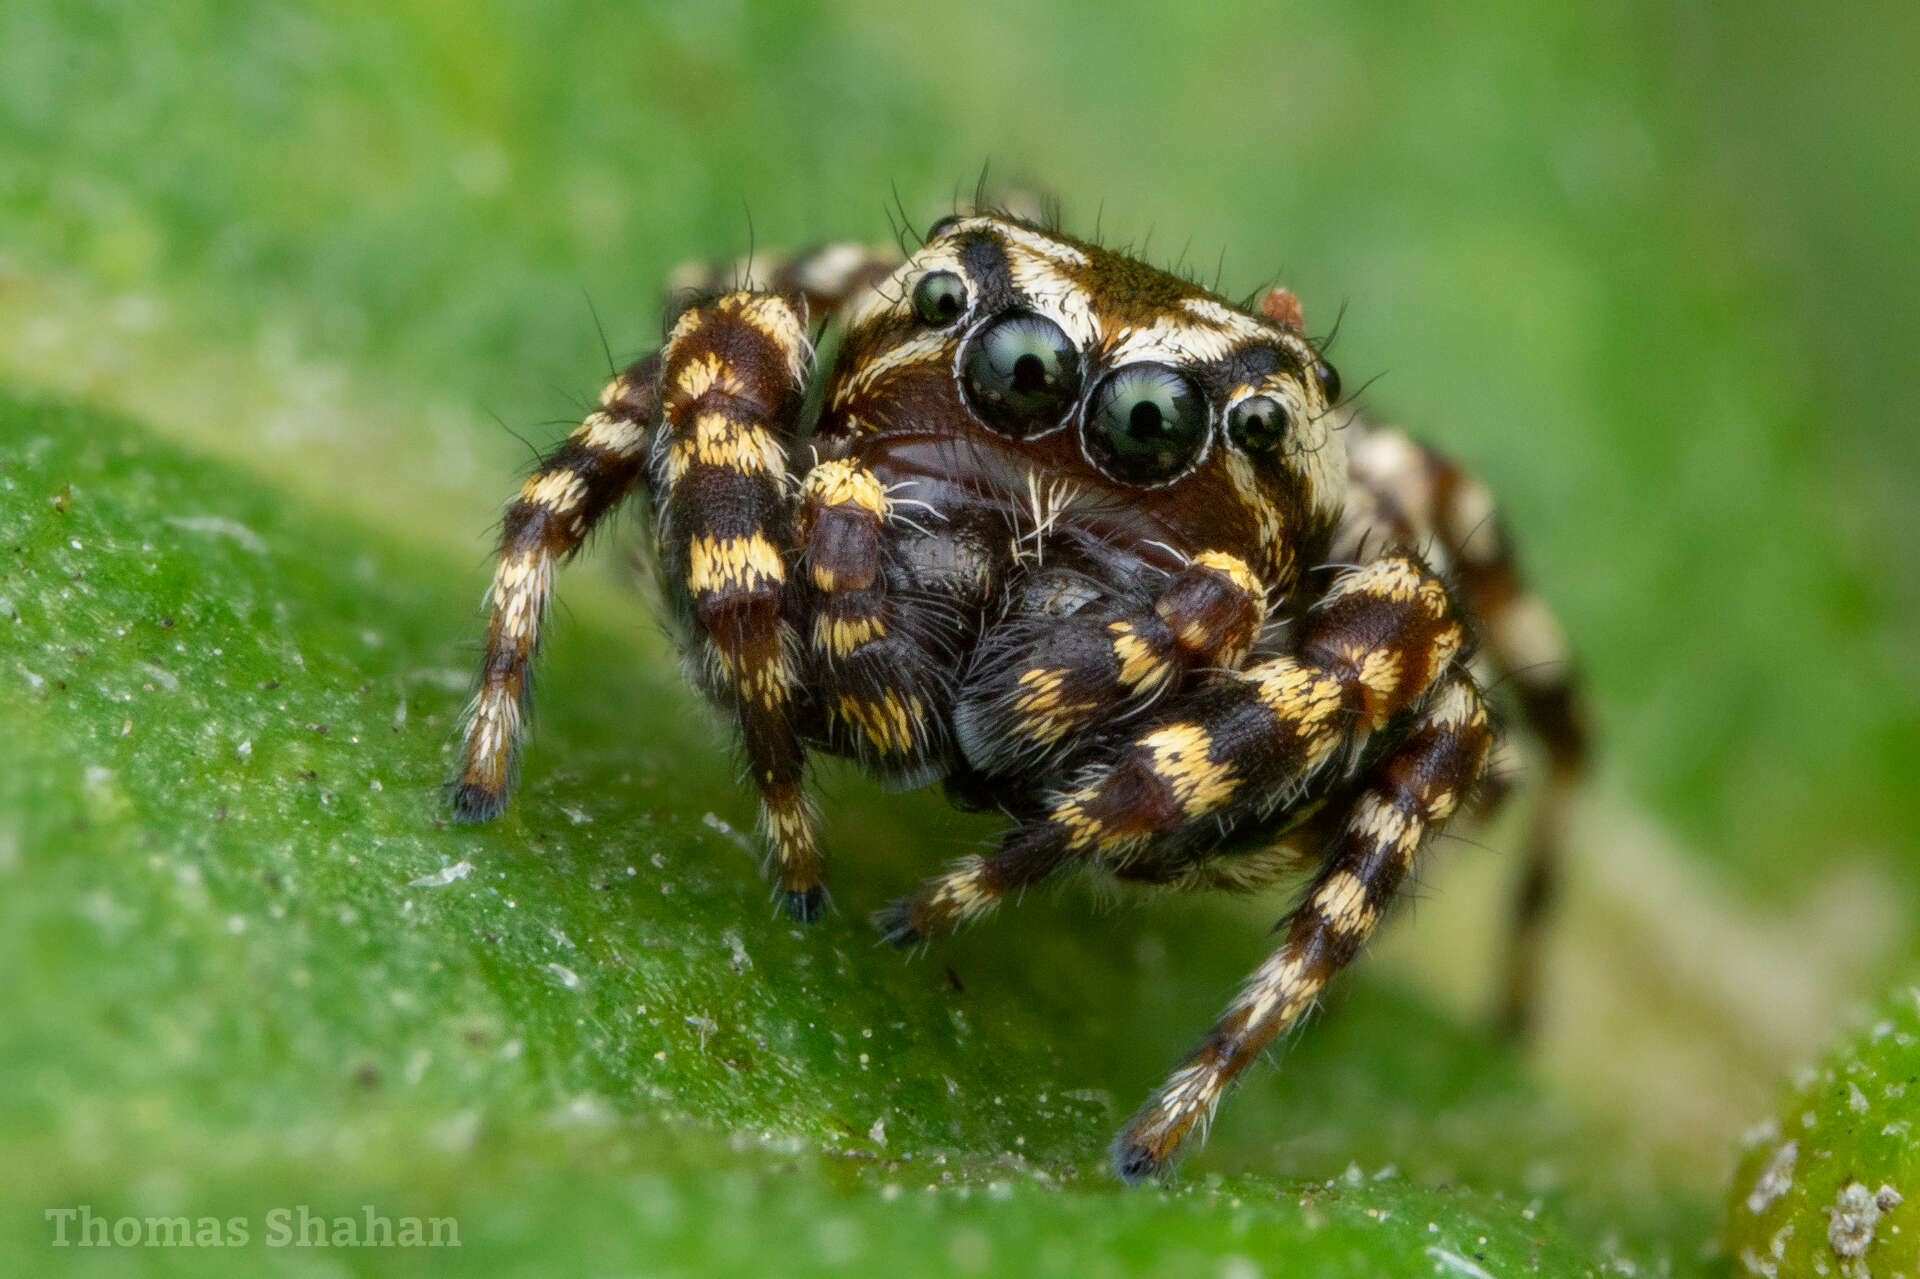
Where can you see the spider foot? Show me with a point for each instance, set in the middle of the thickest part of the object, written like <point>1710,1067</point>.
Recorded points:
<point>805,906</point>
<point>1133,1162</point>
<point>895,925</point>
<point>472,802</point>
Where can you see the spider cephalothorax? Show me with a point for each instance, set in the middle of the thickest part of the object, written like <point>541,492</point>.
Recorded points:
<point>1062,533</point>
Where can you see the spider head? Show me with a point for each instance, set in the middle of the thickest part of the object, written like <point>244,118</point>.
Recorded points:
<point>1028,355</point>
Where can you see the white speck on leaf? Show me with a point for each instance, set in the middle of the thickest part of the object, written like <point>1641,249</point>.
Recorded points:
<point>1775,1179</point>
<point>737,957</point>
<point>713,821</point>
<point>1855,1212</point>
<point>220,526</point>
<point>1454,1263</point>
<point>444,876</point>
<point>452,679</point>
<point>567,977</point>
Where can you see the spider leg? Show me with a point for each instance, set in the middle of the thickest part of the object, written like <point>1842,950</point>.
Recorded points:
<point>576,486</point>
<point>880,678</point>
<point>1237,748</point>
<point>1041,682</point>
<point>1422,496</point>
<point>1045,683</point>
<point>733,377</point>
<point>1403,800</point>
<point>823,278</point>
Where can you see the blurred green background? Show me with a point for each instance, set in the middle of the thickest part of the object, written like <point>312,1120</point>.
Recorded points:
<point>320,272</point>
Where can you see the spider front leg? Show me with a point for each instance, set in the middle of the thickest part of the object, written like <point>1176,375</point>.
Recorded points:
<point>1232,750</point>
<point>576,486</point>
<point>1041,682</point>
<point>1241,748</point>
<point>733,378</point>
<point>1046,683</point>
<point>876,666</point>
<point>1403,801</point>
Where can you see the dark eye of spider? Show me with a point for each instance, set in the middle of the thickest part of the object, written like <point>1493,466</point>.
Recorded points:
<point>939,298</point>
<point>1146,424</point>
<point>1258,422</point>
<point>1329,379</point>
<point>1022,374</point>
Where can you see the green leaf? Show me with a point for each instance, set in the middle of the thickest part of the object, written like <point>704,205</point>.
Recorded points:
<point>1824,1185</point>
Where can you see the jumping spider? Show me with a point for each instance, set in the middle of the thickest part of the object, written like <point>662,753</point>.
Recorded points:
<point>1086,543</point>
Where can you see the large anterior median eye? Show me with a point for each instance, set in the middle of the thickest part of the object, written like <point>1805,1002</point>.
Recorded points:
<point>1146,424</point>
<point>1022,374</point>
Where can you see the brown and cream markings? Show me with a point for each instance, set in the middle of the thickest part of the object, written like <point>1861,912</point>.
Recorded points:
<point>1085,543</point>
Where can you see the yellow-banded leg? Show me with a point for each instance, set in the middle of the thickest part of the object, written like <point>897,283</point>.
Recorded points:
<point>822,278</point>
<point>1427,496</point>
<point>1043,682</point>
<point>1403,800</point>
<point>1234,749</point>
<point>576,486</point>
<point>733,377</point>
<point>880,675</point>
<point>1526,643</point>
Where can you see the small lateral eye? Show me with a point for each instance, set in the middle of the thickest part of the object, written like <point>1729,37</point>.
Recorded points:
<point>1146,424</point>
<point>1022,374</point>
<point>939,298</point>
<point>1329,380</point>
<point>1258,422</point>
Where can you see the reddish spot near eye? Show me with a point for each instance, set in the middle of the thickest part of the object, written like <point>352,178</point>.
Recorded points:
<point>1283,308</point>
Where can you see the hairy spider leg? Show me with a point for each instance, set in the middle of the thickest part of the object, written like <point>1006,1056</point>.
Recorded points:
<point>1403,800</point>
<point>822,278</point>
<point>576,486</point>
<point>1236,748</point>
<point>1041,683</point>
<point>733,377</point>
<point>878,662</point>
<point>1426,497</point>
